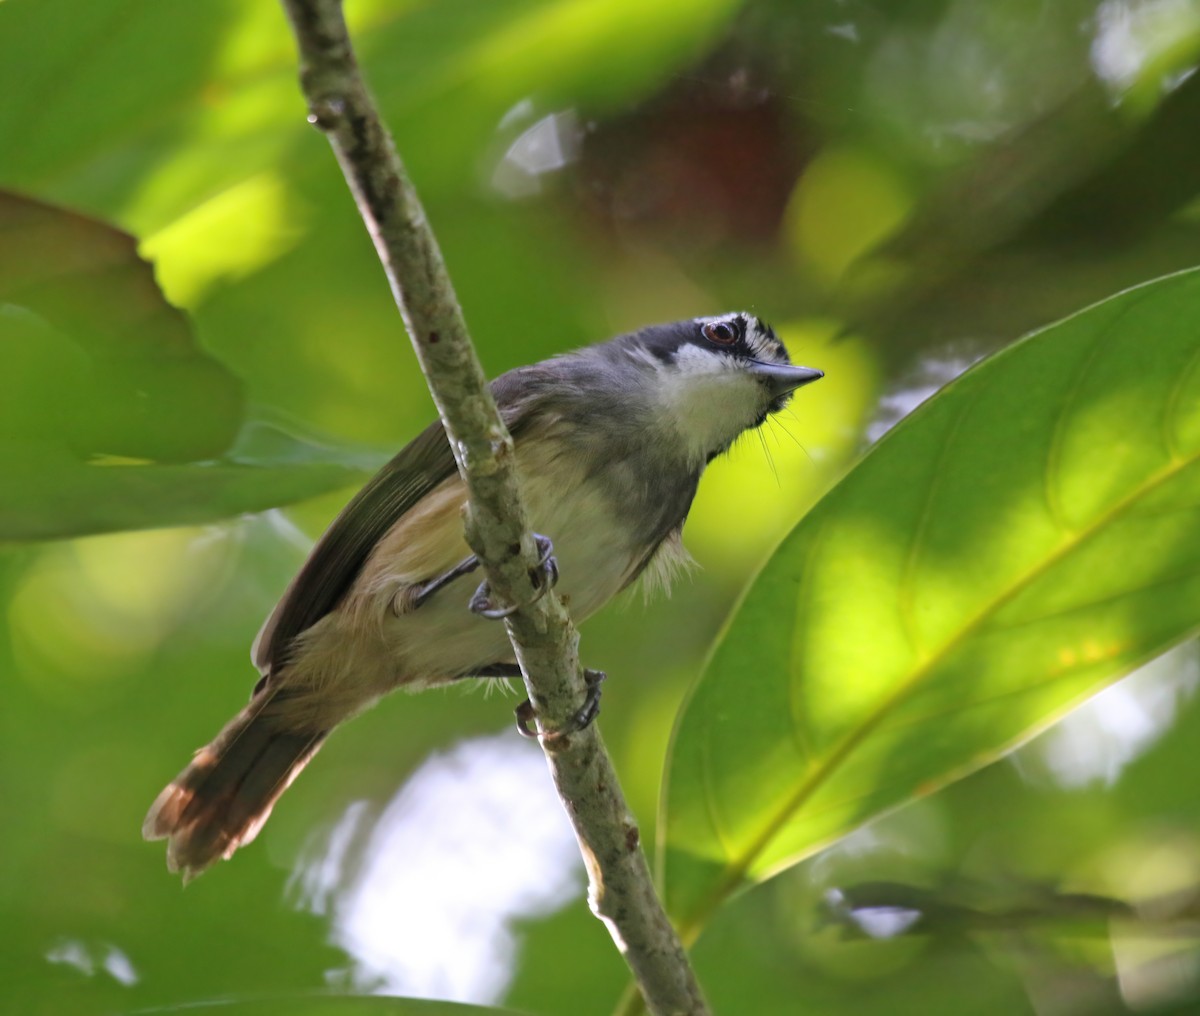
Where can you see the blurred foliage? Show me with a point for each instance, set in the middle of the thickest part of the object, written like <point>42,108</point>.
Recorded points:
<point>901,187</point>
<point>105,394</point>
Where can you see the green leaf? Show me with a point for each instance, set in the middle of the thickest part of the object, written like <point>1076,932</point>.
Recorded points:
<point>48,496</point>
<point>51,495</point>
<point>92,356</point>
<point>111,416</point>
<point>1026,537</point>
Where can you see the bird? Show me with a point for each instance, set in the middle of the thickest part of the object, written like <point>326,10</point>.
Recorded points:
<point>610,443</point>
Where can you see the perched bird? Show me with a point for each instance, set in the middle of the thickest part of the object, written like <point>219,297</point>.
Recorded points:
<point>610,444</point>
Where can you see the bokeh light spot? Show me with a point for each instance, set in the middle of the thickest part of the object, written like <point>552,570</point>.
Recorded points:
<point>846,203</point>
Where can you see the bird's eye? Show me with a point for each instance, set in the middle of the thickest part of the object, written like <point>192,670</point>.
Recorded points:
<point>720,333</point>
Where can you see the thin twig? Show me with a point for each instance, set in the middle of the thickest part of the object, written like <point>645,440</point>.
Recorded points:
<point>546,643</point>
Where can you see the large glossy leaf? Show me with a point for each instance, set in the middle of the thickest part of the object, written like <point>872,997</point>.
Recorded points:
<point>1027,536</point>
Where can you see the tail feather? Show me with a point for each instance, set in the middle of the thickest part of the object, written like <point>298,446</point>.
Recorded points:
<point>220,801</point>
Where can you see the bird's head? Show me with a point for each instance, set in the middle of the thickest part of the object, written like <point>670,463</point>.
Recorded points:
<point>715,377</point>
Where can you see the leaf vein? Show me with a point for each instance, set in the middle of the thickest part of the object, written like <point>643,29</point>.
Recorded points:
<point>708,786</point>
<point>1099,602</point>
<point>801,737</point>
<point>1054,453</point>
<point>905,596</point>
<point>1170,424</point>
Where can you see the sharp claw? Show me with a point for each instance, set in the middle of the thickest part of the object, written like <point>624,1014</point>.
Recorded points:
<point>524,713</point>
<point>481,602</point>
<point>547,577</point>
<point>591,705</point>
<point>550,573</point>
<point>546,559</point>
<point>583,718</point>
<point>539,591</point>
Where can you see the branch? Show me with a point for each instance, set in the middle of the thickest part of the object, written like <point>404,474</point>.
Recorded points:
<point>621,892</point>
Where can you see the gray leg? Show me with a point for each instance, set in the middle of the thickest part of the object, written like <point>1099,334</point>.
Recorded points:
<point>495,670</point>
<point>427,589</point>
<point>580,721</point>
<point>525,714</point>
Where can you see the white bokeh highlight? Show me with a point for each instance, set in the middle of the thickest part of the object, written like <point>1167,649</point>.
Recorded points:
<point>424,898</point>
<point>1094,743</point>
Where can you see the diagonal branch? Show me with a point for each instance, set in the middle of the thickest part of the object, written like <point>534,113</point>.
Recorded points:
<point>621,892</point>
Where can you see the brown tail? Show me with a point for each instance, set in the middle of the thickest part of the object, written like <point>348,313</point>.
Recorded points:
<point>220,801</point>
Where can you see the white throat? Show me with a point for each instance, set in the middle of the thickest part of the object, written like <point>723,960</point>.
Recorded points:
<point>708,399</point>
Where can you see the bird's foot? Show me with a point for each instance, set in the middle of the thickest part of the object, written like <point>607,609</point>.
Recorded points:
<point>543,578</point>
<point>580,721</point>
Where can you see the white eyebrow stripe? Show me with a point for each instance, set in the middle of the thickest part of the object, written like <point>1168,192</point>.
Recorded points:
<point>760,342</point>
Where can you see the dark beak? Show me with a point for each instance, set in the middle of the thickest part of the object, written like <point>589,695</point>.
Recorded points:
<point>783,378</point>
